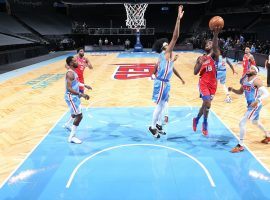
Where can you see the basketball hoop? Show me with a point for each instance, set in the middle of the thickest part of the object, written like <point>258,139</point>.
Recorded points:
<point>135,15</point>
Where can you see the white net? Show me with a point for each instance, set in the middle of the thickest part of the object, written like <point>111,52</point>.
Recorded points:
<point>135,15</point>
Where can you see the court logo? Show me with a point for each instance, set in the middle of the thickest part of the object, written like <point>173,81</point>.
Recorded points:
<point>44,80</point>
<point>134,71</point>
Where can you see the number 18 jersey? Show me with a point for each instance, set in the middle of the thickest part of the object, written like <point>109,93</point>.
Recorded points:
<point>208,72</point>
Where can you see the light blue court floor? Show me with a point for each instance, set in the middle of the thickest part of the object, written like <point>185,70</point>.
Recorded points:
<point>119,159</point>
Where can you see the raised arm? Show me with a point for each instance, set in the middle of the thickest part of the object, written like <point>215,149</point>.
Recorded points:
<point>176,29</point>
<point>216,51</point>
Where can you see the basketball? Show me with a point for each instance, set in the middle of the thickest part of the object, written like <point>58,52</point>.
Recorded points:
<point>216,21</point>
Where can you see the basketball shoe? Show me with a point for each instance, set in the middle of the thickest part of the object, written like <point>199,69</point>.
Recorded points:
<point>160,130</point>
<point>266,140</point>
<point>154,132</point>
<point>238,148</point>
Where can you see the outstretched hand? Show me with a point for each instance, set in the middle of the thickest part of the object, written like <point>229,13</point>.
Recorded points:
<point>180,11</point>
<point>217,30</point>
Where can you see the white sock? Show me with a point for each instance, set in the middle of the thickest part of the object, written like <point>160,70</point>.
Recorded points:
<point>162,113</point>
<point>160,118</point>
<point>225,89</point>
<point>73,131</point>
<point>166,109</point>
<point>242,126</point>
<point>157,113</point>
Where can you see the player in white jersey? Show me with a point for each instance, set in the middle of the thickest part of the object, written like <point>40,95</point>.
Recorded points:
<point>72,98</point>
<point>164,73</point>
<point>255,92</point>
<point>222,74</point>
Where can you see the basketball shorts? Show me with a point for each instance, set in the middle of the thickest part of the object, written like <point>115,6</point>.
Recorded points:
<point>221,76</point>
<point>207,91</point>
<point>74,104</point>
<point>161,91</point>
<point>253,113</point>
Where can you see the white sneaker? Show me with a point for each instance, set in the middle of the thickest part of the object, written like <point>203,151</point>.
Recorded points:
<point>74,140</point>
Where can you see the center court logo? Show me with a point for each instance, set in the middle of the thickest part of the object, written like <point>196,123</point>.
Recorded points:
<point>134,71</point>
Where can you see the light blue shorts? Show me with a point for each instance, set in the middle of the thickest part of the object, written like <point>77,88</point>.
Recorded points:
<point>253,113</point>
<point>221,76</point>
<point>74,104</point>
<point>161,91</point>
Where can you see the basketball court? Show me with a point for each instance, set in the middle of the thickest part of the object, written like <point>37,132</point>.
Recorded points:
<point>119,158</point>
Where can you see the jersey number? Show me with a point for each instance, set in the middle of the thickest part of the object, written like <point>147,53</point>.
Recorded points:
<point>209,68</point>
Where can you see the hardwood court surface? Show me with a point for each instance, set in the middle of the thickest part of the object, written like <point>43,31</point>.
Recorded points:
<point>30,105</point>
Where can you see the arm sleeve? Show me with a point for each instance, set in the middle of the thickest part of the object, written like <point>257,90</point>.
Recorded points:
<point>263,93</point>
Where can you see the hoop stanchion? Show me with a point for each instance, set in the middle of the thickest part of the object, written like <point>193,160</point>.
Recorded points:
<point>138,46</point>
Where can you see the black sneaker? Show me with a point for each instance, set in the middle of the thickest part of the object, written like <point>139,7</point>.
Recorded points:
<point>154,132</point>
<point>160,130</point>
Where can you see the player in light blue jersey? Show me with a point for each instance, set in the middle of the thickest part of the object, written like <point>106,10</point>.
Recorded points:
<point>164,115</point>
<point>222,74</point>
<point>162,82</point>
<point>255,92</point>
<point>72,98</point>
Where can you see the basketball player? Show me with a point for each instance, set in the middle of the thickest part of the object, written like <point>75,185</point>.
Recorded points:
<point>68,124</point>
<point>206,68</point>
<point>248,60</point>
<point>72,97</point>
<point>255,92</point>
<point>164,115</point>
<point>221,74</point>
<point>83,62</point>
<point>161,83</point>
